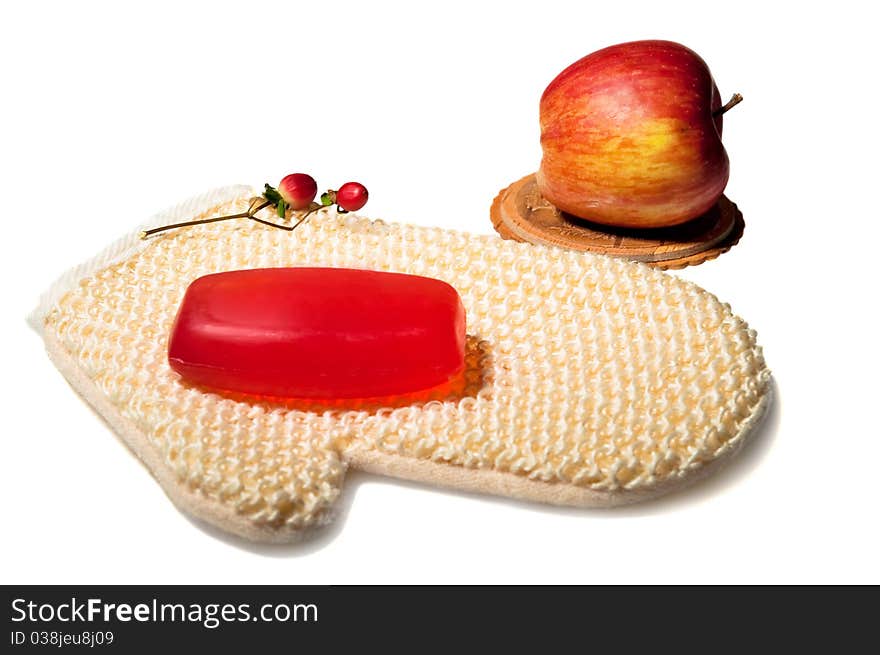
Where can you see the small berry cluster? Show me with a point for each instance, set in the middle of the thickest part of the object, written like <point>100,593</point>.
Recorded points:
<point>295,192</point>
<point>298,190</point>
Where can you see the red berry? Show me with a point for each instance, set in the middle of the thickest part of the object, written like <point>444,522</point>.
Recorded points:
<point>352,196</point>
<point>298,190</point>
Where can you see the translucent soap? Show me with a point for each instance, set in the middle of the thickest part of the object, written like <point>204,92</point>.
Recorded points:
<point>318,333</point>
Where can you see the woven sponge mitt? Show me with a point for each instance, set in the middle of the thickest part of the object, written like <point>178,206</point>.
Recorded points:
<point>589,381</point>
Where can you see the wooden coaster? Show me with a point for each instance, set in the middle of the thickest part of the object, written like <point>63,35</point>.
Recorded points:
<point>519,212</point>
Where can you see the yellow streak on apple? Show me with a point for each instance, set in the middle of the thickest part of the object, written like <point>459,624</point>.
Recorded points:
<point>655,141</point>
<point>636,165</point>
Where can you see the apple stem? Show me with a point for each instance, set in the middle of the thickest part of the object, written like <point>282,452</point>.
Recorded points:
<point>733,102</point>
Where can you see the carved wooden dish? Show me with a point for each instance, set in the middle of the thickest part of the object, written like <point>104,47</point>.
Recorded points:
<point>520,212</point>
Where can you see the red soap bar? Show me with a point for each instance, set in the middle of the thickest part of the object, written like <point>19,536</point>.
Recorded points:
<point>318,332</point>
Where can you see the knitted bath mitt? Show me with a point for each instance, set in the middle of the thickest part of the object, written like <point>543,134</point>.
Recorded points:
<point>589,381</point>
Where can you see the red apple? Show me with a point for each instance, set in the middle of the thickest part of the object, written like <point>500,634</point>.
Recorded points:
<point>631,137</point>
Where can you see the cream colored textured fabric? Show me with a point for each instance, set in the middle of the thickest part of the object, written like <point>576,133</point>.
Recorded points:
<point>590,380</point>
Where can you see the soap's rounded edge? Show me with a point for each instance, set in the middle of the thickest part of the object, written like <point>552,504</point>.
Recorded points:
<point>511,485</point>
<point>200,507</point>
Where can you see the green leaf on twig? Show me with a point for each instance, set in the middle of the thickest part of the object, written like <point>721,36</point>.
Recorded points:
<point>271,194</point>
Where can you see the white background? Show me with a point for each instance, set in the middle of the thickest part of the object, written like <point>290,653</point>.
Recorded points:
<point>111,113</point>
